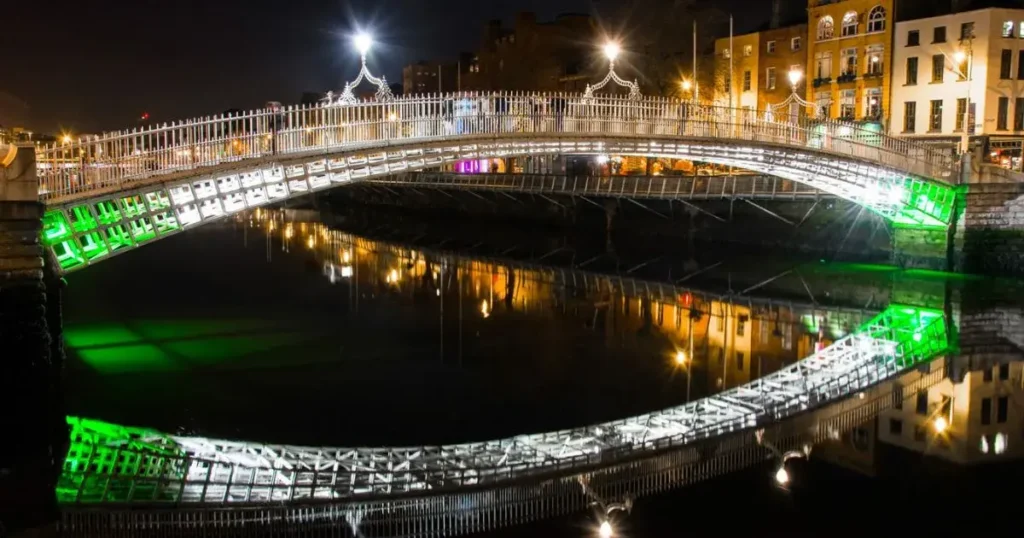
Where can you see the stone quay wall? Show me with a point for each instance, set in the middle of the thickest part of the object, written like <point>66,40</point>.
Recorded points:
<point>989,235</point>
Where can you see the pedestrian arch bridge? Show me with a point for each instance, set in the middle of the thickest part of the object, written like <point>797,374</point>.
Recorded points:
<point>108,193</point>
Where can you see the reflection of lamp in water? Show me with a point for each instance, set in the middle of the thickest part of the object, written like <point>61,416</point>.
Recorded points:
<point>392,277</point>
<point>680,357</point>
<point>605,530</point>
<point>940,424</point>
<point>485,309</point>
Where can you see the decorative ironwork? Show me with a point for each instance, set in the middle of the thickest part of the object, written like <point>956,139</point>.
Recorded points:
<point>348,97</point>
<point>612,51</point>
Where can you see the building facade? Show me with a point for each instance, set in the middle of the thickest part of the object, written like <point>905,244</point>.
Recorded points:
<point>761,62</point>
<point>425,77</point>
<point>849,43</point>
<point>534,56</point>
<point>941,62</point>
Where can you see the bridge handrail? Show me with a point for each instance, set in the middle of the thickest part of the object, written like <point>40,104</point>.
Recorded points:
<point>118,158</point>
<point>895,340</point>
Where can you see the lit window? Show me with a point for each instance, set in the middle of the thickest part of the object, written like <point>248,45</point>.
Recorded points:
<point>770,78</point>
<point>794,44</point>
<point>770,47</point>
<point>748,50</point>
<point>847,105</point>
<point>850,23</point>
<point>876,19</point>
<point>826,28</point>
<point>1008,29</point>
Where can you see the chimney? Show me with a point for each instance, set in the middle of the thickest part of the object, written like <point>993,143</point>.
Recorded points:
<point>775,13</point>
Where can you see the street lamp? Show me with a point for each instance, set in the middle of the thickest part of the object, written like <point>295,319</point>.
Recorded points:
<point>960,57</point>
<point>686,84</point>
<point>612,50</point>
<point>605,529</point>
<point>795,75</point>
<point>363,42</point>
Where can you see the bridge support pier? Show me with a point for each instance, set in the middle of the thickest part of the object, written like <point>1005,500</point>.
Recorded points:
<point>921,248</point>
<point>31,410</point>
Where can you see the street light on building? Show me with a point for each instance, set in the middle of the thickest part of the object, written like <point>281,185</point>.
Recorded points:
<point>964,71</point>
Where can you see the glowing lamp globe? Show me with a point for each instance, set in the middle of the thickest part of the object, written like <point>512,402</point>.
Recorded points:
<point>612,50</point>
<point>795,76</point>
<point>605,530</point>
<point>363,42</point>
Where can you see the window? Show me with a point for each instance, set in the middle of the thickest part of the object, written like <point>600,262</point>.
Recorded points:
<point>1005,59</point>
<point>746,80</point>
<point>1004,369</point>
<point>1001,409</point>
<point>911,71</point>
<point>935,116</point>
<point>748,50</point>
<point>913,38</point>
<point>741,326</point>
<point>1007,28</point>
<point>874,60</point>
<point>849,23</point>
<point>823,104</point>
<point>794,44</point>
<point>847,104</point>
<point>826,28</point>
<point>961,109</point>
<point>961,69</point>
<point>726,53</point>
<point>823,64</point>
<point>770,78</point>
<point>939,34</point>
<point>919,434</point>
<point>1020,65</point>
<point>966,30</point>
<point>909,116</point>
<point>987,375</point>
<point>876,19</point>
<point>873,103</point>
<point>986,411</point>
<point>849,62</point>
<point>922,403</point>
<point>770,47</point>
<point>739,362</point>
<point>895,426</point>
<point>897,397</point>
<point>1020,30</point>
<point>1001,115</point>
<point>938,66</point>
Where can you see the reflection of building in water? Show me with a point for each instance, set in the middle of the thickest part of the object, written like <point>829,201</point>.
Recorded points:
<point>733,342</point>
<point>977,420</point>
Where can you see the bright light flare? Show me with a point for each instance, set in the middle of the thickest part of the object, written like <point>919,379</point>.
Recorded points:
<point>605,530</point>
<point>680,358</point>
<point>795,75</point>
<point>363,41</point>
<point>611,50</point>
<point>959,56</point>
<point>940,424</point>
<point>687,85</point>
<point>782,476</point>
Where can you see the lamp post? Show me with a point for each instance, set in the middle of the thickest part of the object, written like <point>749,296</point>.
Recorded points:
<point>611,51</point>
<point>960,56</point>
<point>362,42</point>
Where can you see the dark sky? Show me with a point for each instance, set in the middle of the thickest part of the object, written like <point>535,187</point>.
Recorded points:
<point>97,65</point>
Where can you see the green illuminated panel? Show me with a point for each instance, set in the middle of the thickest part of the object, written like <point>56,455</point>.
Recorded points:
<point>925,205</point>
<point>142,229</point>
<point>55,227</point>
<point>82,219</point>
<point>118,237</point>
<point>157,200</point>
<point>93,246</point>
<point>133,206</point>
<point>107,212</point>
<point>68,254</point>
<point>104,460</point>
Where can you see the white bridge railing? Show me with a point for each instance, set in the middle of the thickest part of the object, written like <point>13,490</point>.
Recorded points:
<point>117,160</point>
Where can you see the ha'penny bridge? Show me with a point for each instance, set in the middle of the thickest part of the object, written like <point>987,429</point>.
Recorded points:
<point>109,194</point>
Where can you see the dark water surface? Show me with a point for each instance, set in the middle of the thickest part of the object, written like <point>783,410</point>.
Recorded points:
<point>306,328</point>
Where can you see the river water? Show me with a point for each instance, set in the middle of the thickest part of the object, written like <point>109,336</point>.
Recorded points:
<point>315,328</point>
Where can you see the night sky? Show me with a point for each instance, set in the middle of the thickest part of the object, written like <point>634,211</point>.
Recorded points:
<point>94,66</point>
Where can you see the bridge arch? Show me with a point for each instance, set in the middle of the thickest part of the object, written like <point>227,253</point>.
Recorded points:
<point>167,178</point>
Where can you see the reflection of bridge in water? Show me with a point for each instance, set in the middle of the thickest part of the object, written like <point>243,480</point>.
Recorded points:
<point>433,490</point>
